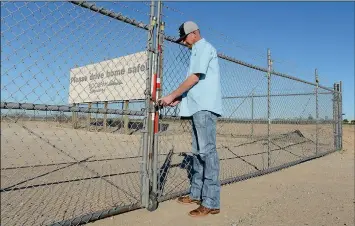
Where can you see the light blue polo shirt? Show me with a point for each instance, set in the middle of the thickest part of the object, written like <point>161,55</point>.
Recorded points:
<point>206,94</point>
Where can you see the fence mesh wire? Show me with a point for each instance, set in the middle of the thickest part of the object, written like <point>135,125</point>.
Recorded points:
<point>325,125</point>
<point>58,164</point>
<point>240,143</point>
<point>248,142</point>
<point>73,105</point>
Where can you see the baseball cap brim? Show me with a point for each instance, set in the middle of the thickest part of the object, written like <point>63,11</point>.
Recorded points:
<point>181,38</point>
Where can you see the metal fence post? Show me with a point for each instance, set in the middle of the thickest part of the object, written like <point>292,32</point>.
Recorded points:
<point>317,110</point>
<point>337,86</point>
<point>89,117</point>
<point>96,117</point>
<point>335,116</point>
<point>158,48</point>
<point>338,115</point>
<point>73,117</point>
<point>105,116</point>
<point>268,107</point>
<point>125,117</point>
<point>147,121</point>
<point>252,114</point>
<point>340,107</point>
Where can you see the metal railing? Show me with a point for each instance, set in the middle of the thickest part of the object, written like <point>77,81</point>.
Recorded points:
<point>82,138</point>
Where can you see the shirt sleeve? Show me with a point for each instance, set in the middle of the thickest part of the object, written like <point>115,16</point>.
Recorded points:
<point>200,60</point>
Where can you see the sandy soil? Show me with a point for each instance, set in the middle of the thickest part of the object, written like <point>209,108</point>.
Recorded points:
<point>45,182</point>
<point>318,192</point>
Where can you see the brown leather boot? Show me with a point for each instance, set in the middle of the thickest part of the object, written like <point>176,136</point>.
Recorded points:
<point>203,211</point>
<point>187,200</point>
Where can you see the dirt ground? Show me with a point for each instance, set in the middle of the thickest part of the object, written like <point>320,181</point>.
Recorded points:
<point>318,193</point>
<point>52,172</point>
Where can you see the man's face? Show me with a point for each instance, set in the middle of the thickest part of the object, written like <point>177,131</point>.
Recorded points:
<point>190,39</point>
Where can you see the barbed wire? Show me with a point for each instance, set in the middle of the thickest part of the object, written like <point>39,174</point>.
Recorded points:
<point>171,9</point>
<point>261,53</point>
<point>134,9</point>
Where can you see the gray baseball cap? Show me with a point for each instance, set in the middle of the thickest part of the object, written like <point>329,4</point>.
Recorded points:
<point>186,28</point>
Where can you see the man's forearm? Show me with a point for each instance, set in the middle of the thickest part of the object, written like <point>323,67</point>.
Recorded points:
<point>185,86</point>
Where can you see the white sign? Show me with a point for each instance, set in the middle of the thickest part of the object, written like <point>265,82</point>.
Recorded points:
<point>122,78</point>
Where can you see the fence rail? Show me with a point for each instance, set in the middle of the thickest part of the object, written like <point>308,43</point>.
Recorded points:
<point>82,138</point>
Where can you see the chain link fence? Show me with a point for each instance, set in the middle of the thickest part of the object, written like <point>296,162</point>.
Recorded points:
<point>271,120</point>
<point>82,138</point>
<point>73,106</point>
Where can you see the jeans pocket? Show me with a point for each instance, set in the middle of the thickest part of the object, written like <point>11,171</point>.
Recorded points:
<point>200,119</point>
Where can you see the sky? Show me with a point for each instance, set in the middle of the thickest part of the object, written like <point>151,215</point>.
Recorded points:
<point>42,41</point>
<point>301,36</point>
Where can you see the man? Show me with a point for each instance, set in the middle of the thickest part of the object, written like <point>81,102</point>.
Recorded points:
<point>200,98</point>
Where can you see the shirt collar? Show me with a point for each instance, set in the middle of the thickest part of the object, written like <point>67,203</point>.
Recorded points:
<point>198,43</point>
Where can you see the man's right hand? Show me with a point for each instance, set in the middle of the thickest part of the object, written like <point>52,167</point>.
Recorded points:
<point>174,103</point>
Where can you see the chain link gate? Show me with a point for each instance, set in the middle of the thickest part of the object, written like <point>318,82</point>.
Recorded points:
<point>112,149</point>
<point>68,164</point>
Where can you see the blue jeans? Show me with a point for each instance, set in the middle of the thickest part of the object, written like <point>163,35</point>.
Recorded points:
<point>205,184</point>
